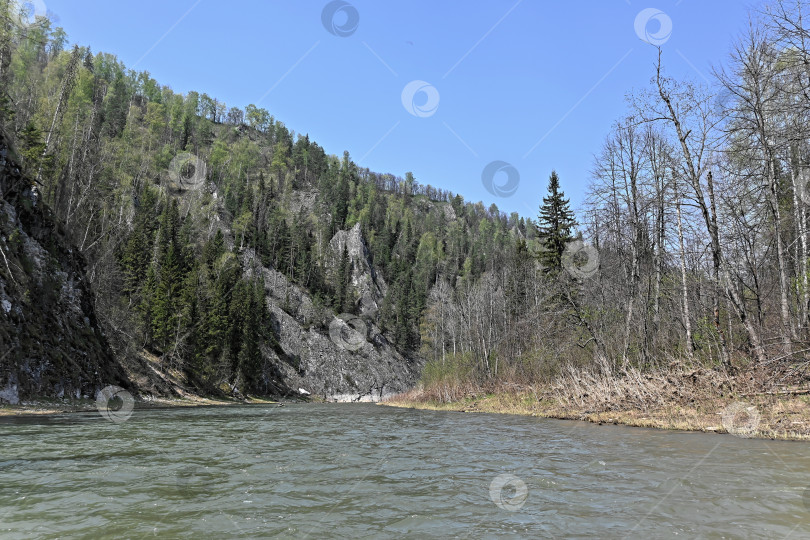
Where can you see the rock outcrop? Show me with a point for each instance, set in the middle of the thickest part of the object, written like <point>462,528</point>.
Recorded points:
<point>50,341</point>
<point>51,344</point>
<point>369,286</point>
<point>337,358</point>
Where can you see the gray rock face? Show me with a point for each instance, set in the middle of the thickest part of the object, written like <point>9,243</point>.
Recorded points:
<point>50,342</point>
<point>302,201</point>
<point>369,286</point>
<point>320,364</point>
<point>449,213</point>
<point>337,358</point>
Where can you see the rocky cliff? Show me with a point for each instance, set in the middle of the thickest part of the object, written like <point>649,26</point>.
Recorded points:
<point>53,346</point>
<point>50,341</point>
<point>344,358</point>
<point>368,285</point>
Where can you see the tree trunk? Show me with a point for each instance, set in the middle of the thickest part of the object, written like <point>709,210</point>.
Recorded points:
<point>687,322</point>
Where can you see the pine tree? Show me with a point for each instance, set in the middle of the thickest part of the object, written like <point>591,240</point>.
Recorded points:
<point>555,224</point>
<point>316,281</point>
<point>169,227</point>
<point>169,273</point>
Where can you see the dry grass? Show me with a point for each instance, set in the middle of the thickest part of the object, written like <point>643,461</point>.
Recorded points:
<point>678,399</point>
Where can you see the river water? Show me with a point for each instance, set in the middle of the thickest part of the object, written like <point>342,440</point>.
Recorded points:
<point>368,471</point>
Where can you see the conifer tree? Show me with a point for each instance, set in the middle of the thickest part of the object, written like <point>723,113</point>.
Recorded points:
<point>214,249</point>
<point>166,297</point>
<point>403,307</point>
<point>145,306</point>
<point>250,358</point>
<point>31,146</point>
<point>555,224</point>
<point>188,322</point>
<point>117,106</point>
<point>342,293</point>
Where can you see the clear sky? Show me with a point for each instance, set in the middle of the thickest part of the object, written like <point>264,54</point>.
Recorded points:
<point>534,84</point>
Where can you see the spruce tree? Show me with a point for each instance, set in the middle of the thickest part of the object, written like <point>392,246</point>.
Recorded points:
<point>214,325</point>
<point>250,356</point>
<point>343,298</point>
<point>214,249</point>
<point>555,224</point>
<point>145,306</point>
<point>134,261</point>
<point>166,296</point>
<point>239,317</point>
<point>31,146</point>
<point>117,107</point>
<point>189,320</point>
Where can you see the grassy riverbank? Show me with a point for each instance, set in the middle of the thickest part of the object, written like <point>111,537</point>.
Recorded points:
<point>781,414</point>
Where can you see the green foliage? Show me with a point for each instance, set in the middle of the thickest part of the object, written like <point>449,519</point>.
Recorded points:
<point>31,146</point>
<point>175,260</point>
<point>343,298</point>
<point>555,226</point>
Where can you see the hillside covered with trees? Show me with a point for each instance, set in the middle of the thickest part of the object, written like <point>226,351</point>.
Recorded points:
<point>162,192</point>
<point>690,255</point>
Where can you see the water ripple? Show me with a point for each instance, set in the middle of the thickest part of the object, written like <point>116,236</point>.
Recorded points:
<point>362,470</point>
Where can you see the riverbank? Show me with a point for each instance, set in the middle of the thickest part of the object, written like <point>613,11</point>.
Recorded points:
<point>46,407</point>
<point>783,416</point>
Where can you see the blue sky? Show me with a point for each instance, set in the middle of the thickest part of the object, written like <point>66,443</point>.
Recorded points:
<point>535,84</point>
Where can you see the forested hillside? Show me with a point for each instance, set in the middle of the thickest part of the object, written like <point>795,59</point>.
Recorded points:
<point>164,193</point>
<point>695,232</point>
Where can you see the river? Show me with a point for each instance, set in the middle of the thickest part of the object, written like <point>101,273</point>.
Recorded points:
<point>368,471</point>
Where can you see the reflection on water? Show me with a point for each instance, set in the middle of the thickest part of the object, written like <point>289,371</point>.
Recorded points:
<point>360,470</point>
